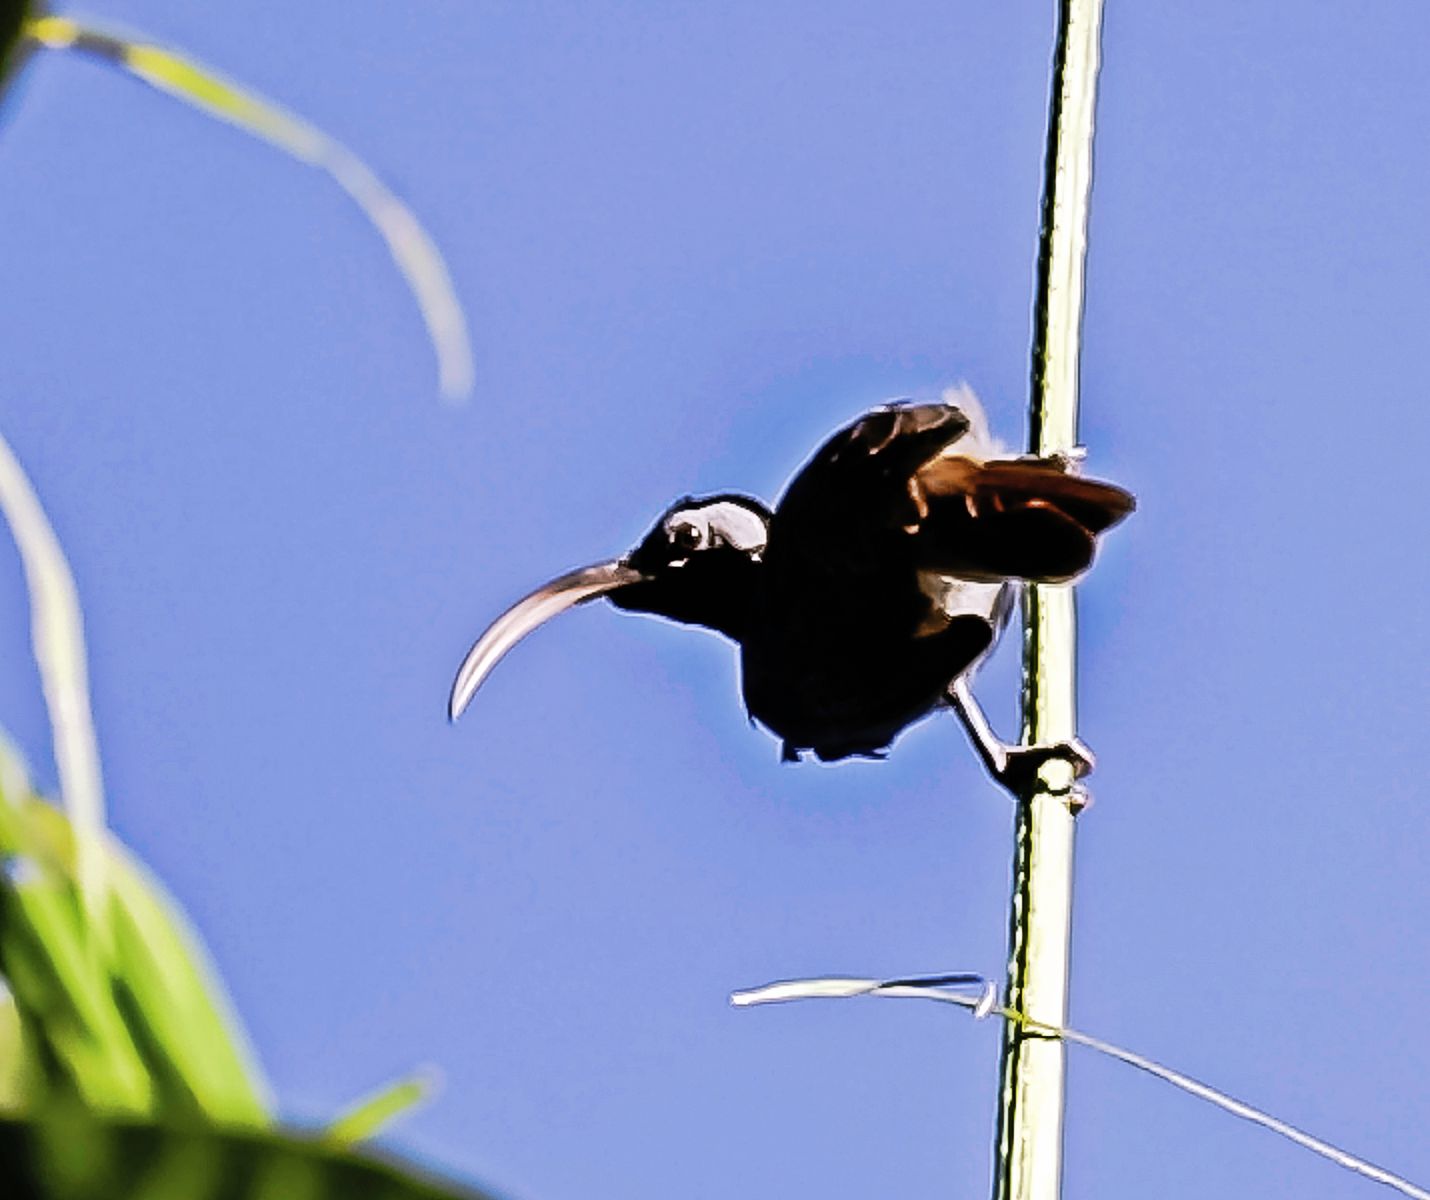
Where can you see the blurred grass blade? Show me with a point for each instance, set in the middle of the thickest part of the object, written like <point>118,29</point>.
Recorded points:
<point>176,1008</point>
<point>374,1112</point>
<point>72,1156</point>
<point>412,249</point>
<point>57,633</point>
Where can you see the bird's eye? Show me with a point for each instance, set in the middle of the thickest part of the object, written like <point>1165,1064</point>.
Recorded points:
<point>687,536</point>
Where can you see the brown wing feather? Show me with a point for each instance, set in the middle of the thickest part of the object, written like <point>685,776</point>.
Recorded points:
<point>1015,518</point>
<point>1006,482</point>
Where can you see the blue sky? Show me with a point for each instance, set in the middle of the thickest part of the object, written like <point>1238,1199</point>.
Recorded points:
<point>691,241</point>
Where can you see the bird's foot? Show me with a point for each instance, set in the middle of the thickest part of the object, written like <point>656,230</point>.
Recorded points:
<point>1020,770</point>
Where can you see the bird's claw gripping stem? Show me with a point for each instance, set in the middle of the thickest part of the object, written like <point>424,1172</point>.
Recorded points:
<point>1020,765</point>
<point>1017,768</point>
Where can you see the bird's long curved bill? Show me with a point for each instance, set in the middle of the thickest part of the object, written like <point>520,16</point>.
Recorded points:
<point>550,600</point>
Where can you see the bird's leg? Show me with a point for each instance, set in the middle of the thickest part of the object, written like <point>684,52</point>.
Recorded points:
<point>1016,767</point>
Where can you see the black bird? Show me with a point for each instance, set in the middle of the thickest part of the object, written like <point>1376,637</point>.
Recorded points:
<point>871,592</point>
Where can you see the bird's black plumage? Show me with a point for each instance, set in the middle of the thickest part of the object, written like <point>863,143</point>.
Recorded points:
<point>882,576</point>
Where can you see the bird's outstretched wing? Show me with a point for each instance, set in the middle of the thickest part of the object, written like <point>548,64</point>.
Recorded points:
<point>1025,518</point>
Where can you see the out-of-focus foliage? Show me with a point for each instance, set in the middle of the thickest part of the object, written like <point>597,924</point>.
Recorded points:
<point>122,1071</point>
<point>368,1115</point>
<point>123,1018</point>
<point>13,14</point>
<point>74,1155</point>
<point>23,26</point>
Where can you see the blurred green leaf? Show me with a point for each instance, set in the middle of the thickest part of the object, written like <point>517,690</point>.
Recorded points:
<point>62,1001</point>
<point>13,15</point>
<point>71,1155</point>
<point>371,1114</point>
<point>131,1022</point>
<point>64,998</point>
<point>411,247</point>
<point>28,826</point>
<point>169,993</point>
<point>15,1062</point>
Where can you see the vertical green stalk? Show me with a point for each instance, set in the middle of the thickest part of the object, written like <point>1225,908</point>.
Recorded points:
<point>1030,1115</point>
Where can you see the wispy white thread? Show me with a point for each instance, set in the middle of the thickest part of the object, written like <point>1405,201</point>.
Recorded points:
<point>983,1002</point>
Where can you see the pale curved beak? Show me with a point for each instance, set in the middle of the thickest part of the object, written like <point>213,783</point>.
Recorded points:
<point>551,600</point>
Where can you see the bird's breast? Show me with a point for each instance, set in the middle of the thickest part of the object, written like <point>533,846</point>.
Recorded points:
<point>842,668</point>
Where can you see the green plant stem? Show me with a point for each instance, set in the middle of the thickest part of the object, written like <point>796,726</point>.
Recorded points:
<point>1028,1150</point>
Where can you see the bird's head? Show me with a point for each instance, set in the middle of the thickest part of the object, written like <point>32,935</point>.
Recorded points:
<point>698,565</point>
